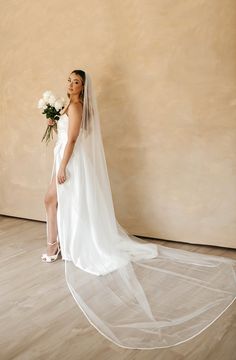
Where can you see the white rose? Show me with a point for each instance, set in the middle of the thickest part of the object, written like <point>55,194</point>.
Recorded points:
<point>47,94</point>
<point>51,100</point>
<point>42,104</point>
<point>58,104</point>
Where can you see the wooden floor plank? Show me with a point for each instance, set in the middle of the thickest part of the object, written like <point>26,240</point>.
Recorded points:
<point>40,319</point>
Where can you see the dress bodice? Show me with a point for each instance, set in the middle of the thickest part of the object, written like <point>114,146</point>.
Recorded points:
<point>62,128</point>
<point>62,135</point>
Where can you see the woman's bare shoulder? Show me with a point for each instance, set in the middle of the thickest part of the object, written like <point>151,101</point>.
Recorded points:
<point>75,109</point>
<point>63,111</point>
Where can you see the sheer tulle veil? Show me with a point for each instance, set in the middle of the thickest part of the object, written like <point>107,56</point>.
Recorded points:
<point>138,295</point>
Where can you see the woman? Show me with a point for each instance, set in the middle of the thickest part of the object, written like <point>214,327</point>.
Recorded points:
<point>139,295</point>
<point>74,112</point>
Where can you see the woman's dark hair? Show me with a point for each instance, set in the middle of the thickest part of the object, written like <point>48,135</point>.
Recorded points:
<point>81,73</point>
<point>89,111</point>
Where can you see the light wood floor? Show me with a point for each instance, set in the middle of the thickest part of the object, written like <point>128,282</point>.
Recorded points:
<point>40,319</point>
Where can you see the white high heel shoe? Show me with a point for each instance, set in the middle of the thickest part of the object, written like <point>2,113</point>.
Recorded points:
<point>50,258</point>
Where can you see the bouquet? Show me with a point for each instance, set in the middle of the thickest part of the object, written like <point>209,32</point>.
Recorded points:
<point>51,106</point>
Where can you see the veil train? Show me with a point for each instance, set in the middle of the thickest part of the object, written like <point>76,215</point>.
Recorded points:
<point>138,295</point>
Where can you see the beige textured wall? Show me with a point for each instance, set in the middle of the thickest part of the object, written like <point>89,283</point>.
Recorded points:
<point>165,78</point>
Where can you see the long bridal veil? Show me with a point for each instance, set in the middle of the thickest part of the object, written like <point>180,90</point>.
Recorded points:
<point>138,295</point>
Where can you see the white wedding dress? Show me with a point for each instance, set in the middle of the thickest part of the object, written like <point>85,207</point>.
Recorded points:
<point>139,295</point>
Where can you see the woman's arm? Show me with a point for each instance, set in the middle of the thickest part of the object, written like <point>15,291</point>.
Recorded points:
<point>75,117</point>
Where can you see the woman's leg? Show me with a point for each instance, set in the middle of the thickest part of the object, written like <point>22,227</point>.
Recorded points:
<point>50,202</point>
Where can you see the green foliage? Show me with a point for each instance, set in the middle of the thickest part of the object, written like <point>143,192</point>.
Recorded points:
<point>49,133</point>
<point>51,113</point>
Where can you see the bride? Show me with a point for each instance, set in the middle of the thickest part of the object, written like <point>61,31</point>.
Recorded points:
<point>138,295</point>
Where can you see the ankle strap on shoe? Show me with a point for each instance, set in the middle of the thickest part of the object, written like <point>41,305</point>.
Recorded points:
<point>52,243</point>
